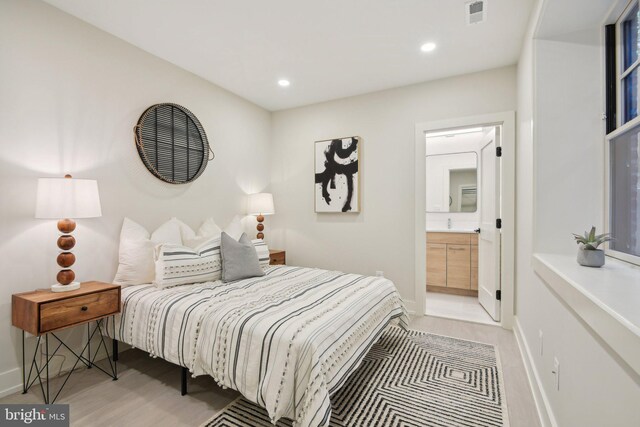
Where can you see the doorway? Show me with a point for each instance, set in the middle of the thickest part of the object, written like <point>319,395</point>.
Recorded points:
<point>464,200</point>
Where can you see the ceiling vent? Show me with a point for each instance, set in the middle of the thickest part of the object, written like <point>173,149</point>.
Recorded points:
<point>476,11</point>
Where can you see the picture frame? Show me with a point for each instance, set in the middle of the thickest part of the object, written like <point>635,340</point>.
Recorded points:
<point>337,168</point>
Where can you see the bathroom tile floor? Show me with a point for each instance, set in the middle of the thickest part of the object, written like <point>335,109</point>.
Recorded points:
<point>457,307</point>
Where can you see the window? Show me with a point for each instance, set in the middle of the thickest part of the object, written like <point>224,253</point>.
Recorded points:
<point>623,171</point>
<point>624,194</point>
<point>629,64</point>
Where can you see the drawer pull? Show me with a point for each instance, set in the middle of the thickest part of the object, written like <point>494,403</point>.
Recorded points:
<point>84,308</point>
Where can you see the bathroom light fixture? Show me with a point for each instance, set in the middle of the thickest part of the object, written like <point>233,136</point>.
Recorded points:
<point>428,47</point>
<point>453,132</point>
<point>284,82</point>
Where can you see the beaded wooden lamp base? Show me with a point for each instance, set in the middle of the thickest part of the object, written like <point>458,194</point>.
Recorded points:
<point>260,227</point>
<point>66,259</point>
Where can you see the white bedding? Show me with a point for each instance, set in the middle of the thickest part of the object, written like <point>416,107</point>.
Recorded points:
<point>286,340</point>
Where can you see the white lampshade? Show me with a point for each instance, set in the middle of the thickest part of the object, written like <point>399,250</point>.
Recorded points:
<point>261,204</point>
<point>67,198</point>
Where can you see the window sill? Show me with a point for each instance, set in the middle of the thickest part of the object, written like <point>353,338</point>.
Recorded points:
<point>607,299</point>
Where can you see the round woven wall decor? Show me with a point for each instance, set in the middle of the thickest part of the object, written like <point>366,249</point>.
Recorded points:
<point>172,143</point>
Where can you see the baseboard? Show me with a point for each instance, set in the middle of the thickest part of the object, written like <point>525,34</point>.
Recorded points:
<point>452,291</point>
<point>411,306</point>
<point>539,396</point>
<point>10,382</point>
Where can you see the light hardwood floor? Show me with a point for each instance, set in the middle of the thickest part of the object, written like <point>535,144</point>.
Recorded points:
<point>147,392</point>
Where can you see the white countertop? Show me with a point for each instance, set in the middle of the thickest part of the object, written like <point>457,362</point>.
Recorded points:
<point>606,298</point>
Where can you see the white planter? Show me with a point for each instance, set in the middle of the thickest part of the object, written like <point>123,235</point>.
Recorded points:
<point>591,258</point>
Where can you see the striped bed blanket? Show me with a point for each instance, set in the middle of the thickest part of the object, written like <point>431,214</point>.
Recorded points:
<point>285,341</point>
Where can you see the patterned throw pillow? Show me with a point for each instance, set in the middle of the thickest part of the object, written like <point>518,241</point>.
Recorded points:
<point>263,252</point>
<point>181,265</point>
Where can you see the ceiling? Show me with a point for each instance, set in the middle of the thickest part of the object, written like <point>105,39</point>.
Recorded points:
<point>328,49</point>
<point>559,17</point>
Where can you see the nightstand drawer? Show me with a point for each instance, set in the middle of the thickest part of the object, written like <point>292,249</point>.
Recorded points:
<point>277,257</point>
<point>71,311</point>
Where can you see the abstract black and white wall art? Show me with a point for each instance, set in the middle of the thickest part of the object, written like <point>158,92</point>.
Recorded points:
<point>337,183</point>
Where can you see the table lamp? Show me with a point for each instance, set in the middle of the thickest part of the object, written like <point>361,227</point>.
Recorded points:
<point>67,199</point>
<point>261,204</point>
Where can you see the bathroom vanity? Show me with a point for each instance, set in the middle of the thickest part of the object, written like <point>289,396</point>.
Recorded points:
<point>452,262</point>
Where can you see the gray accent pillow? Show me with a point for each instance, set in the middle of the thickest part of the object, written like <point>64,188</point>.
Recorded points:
<point>239,258</point>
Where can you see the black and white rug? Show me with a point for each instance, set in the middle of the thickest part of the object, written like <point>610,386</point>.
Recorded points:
<point>408,379</point>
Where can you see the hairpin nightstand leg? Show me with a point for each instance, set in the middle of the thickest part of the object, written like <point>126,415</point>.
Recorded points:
<point>24,368</point>
<point>46,346</point>
<point>89,345</point>
<point>115,341</point>
<point>115,349</point>
<point>115,359</point>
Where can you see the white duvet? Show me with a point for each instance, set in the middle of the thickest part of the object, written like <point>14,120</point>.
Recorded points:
<point>285,341</point>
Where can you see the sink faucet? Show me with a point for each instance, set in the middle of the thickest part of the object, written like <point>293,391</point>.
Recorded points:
<point>449,223</point>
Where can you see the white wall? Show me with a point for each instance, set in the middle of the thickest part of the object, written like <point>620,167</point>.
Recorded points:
<point>559,160</point>
<point>381,237</point>
<point>71,95</point>
<point>569,149</point>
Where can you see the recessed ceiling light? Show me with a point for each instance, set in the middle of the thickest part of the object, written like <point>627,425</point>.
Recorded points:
<point>284,82</point>
<point>428,47</point>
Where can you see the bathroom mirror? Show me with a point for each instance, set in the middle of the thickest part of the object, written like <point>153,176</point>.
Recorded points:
<point>452,182</point>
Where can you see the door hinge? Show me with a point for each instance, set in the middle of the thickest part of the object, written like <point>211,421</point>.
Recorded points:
<point>499,223</point>
<point>498,151</point>
<point>499,295</point>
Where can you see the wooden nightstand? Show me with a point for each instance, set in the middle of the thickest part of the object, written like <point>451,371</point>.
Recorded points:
<point>42,313</point>
<point>277,257</point>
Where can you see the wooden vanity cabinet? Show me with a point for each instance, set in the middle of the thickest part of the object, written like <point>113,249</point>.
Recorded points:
<point>459,266</point>
<point>474,265</point>
<point>437,264</point>
<point>452,263</point>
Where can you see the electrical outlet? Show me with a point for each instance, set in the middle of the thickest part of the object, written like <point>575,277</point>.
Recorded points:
<point>380,273</point>
<point>556,373</point>
<point>540,341</point>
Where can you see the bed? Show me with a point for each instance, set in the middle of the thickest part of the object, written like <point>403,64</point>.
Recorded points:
<point>285,341</point>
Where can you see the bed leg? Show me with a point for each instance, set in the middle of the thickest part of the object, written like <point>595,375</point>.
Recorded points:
<point>115,350</point>
<point>183,382</point>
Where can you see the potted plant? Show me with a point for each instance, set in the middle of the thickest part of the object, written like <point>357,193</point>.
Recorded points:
<point>588,253</point>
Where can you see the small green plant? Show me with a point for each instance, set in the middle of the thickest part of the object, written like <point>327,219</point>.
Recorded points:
<point>591,240</point>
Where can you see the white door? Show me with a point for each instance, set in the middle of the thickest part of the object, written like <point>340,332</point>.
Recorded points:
<point>489,239</point>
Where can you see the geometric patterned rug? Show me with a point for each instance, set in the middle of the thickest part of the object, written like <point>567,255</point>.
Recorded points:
<point>408,379</point>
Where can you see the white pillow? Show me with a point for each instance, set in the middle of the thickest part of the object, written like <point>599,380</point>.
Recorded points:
<point>234,229</point>
<point>181,265</point>
<point>186,232</point>
<point>207,230</point>
<point>136,261</point>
